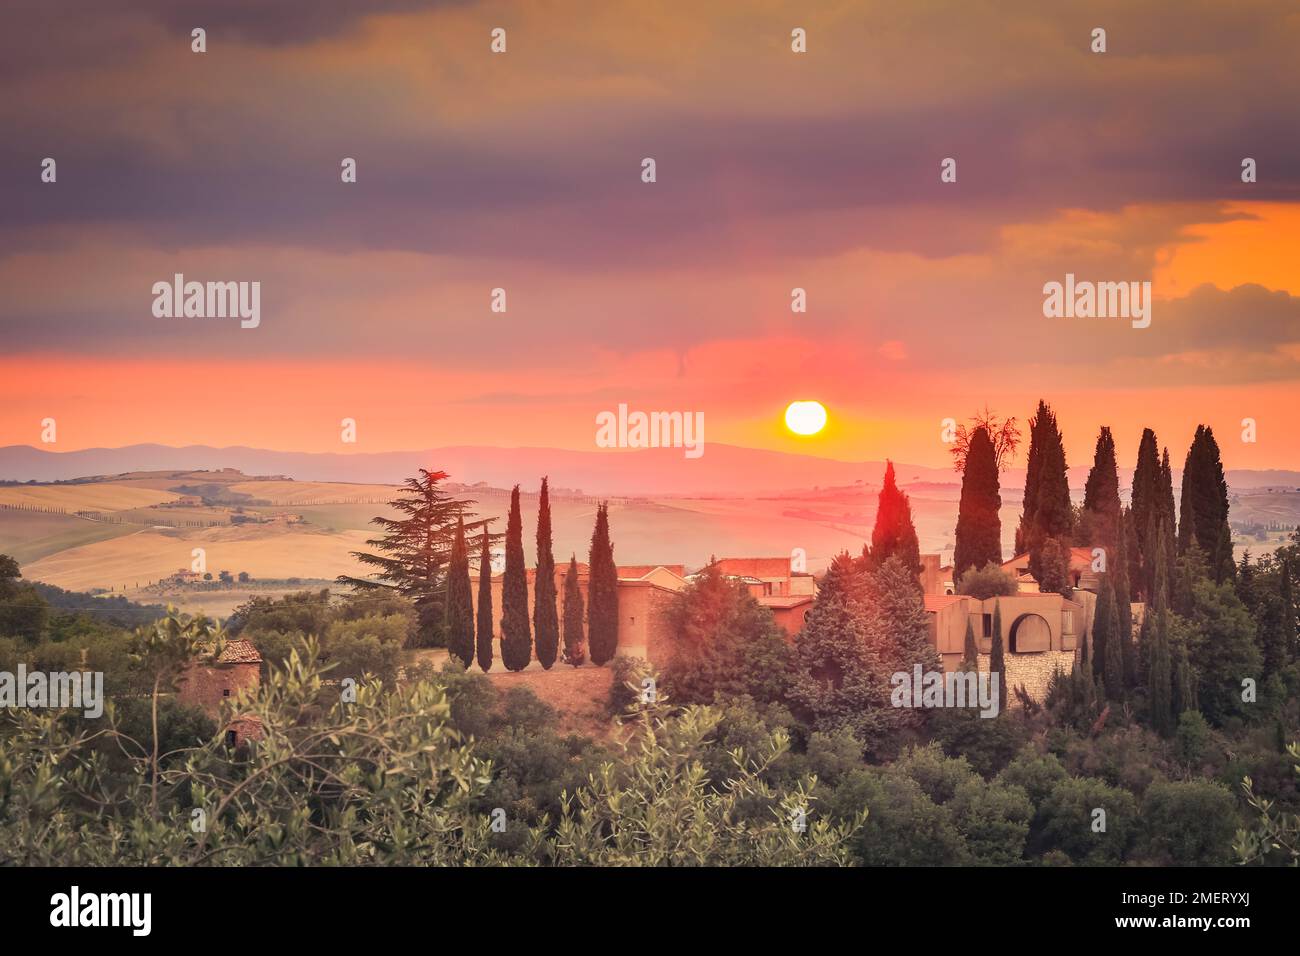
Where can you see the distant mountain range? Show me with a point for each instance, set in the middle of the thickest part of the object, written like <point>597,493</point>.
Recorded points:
<point>722,470</point>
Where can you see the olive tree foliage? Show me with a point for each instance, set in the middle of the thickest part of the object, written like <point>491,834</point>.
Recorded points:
<point>382,777</point>
<point>658,807</point>
<point>1275,836</point>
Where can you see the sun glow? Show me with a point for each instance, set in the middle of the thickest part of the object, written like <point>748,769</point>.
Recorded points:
<point>805,418</point>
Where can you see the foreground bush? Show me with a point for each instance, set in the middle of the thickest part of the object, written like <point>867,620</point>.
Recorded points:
<point>384,779</point>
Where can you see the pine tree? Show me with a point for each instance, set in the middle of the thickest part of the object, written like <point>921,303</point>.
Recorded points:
<point>516,638</point>
<point>414,552</point>
<point>997,659</point>
<point>485,629</point>
<point>894,533</point>
<point>575,638</point>
<point>460,600</point>
<point>546,621</point>
<point>979,528</point>
<point>1101,497</point>
<point>602,592</point>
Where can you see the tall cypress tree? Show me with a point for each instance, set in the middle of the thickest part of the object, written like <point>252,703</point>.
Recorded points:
<point>602,592</point>
<point>1204,509</point>
<point>460,600</point>
<point>1114,671</point>
<point>1101,497</point>
<point>1145,510</point>
<point>575,639</point>
<point>546,622</point>
<point>516,638</point>
<point>1040,425</point>
<point>894,533</point>
<point>1102,633</point>
<point>979,527</point>
<point>1160,691</point>
<point>997,657</point>
<point>970,658</point>
<point>1123,605</point>
<point>485,629</point>
<point>1053,516</point>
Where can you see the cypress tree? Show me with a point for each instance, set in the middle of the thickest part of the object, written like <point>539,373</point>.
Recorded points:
<point>546,621</point>
<point>970,658</point>
<point>485,629</point>
<point>979,528</point>
<point>1053,516</point>
<point>1114,670</point>
<point>1160,680</point>
<point>1101,497</point>
<point>602,592</point>
<point>997,658</point>
<point>516,638</point>
<point>1123,607</point>
<point>1102,635</point>
<point>1145,510</point>
<point>1204,509</point>
<point>1040,425</point>
<point>460,600</point>
<point>575,639</point>
<point>894,533</point>
<point>1160,671</point>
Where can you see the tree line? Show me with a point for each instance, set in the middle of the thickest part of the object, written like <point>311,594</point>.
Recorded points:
<point>425,555</point>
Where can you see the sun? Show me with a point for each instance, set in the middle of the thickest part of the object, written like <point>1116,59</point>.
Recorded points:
<point>805,418</point>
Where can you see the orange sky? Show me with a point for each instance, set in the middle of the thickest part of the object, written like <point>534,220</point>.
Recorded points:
<point>775,171</point>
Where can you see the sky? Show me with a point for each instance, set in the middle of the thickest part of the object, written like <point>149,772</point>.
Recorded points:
<point>774,170</point>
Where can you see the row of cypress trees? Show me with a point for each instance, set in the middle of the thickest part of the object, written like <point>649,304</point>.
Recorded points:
<point>469,638</point>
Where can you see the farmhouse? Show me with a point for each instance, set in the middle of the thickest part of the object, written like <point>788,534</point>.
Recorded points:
<point>213,679</point>
<point>1040,631</point>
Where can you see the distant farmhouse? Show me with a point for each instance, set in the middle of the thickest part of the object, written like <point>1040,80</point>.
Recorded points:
<point>215,678</point>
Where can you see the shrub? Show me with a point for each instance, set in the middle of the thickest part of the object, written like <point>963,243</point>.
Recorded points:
<point>1188,823</point>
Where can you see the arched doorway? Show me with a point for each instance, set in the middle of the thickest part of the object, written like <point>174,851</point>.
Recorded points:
<point>1030,633</point>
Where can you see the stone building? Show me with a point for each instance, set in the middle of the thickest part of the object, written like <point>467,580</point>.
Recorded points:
<point>211,681</point>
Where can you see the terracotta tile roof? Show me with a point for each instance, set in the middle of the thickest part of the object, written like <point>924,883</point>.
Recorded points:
<point>937,602</point>
<point>755,567</point>
<point>239,652</point>
<point>641,570</point>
